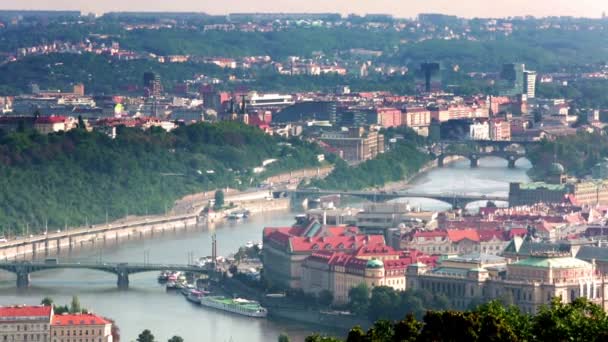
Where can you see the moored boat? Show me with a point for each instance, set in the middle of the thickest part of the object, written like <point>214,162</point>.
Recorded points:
<point>195,296</point>
<point>237,305</point>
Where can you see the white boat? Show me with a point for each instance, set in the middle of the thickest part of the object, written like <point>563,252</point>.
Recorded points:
<point>239,306</point>
<point>249,244</point>
<point>187,288</point>
<point>195,296</point>
<point>236,216</point>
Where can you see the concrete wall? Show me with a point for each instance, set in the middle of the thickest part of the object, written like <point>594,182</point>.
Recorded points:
<point>55,244</point>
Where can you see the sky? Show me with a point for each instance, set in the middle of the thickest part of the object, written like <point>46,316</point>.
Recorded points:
<point>398,8</point>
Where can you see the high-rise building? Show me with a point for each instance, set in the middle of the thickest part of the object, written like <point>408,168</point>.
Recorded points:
<point>530,83</point>
<point>429,77</point>
<point>512,79</point>
<point>152,84</point>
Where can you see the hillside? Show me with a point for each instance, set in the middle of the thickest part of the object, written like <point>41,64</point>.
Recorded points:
<point>69,178</point>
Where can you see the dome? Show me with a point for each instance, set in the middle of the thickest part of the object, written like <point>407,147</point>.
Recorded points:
<point>556,169</point>
<point>374,263</point>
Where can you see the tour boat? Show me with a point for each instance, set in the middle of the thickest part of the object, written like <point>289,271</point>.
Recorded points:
<point>195,296</point>
<point>238,305</point>
<point>236,216</point>
<point>171,285</point>
<point>186,288</point>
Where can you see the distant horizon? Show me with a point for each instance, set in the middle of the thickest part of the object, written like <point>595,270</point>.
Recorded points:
<point>344,15</point>
<point>399,9</point>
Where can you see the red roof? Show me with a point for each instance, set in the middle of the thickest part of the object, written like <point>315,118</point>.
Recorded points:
<point>53,119</point>
<point>25,311</point>
<point>79,319</point>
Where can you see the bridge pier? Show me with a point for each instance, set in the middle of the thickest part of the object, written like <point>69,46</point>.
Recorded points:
<point>511,163</point>
<point>123,279</point>
<point>474,162</point>
<point>440,162</point>
<point>23,279</point>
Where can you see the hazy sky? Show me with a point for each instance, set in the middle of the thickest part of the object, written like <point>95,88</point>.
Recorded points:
<point>399,8</point>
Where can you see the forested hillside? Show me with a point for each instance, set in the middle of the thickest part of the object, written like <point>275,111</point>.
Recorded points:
<point>69,178</point>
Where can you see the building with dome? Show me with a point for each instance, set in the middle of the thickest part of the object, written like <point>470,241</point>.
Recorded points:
<point>529,283</point>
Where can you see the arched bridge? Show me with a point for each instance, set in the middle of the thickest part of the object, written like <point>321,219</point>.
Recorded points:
<point>122,270</point>
<point>473,157</point>
<point>477,149</point>
<point>456,200</point>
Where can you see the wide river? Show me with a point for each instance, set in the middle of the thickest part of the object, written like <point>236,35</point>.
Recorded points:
<point>146,305</point>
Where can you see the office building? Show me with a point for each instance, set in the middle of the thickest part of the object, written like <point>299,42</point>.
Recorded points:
<point>429,77</point>
<point>530,83</point>
<point>512,79</point>
<point>152,85</point>
<point>356,144</point>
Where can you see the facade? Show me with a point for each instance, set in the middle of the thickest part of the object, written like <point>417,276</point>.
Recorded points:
<point>479,131</point>
<point>152,84</point>
<point>80,327</point>
<point>512,78</point>
<point>458,241</point>
<point>25,323</point>
<point>500,129</point>
<point>530,83</point>
<point>388,117</point>
<point>357,144</point>
<point>537,192</point>
<point>528,283</point>
<point>52,124</point>
<point>377,265</point>
<point>419,119</point>
<point>285,249</point>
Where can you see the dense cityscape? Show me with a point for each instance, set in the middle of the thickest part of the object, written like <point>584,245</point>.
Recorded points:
<point>302,177</point>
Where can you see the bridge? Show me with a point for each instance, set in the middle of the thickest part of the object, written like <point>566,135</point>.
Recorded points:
<point>473,157</point>
<point>510,150</point>
<point>456,200</point>
<point>23,269</point>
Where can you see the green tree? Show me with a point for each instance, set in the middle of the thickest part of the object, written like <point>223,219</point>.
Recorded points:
<point>408,329</point>
<point>325,298</point>
<point>358,299</point>
<point>75,305</point>
<point>47,301</point>
<point>176,339</point>
<point>384,303</point>
<point>283,337</point>
<point>219,199</point>
<point>145,336</point>
<point>81,123</point>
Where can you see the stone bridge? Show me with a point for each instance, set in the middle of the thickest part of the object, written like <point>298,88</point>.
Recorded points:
<point>511,157</point>
<point>455,200</point>
<point>477,149</point>
<point>121,270</point>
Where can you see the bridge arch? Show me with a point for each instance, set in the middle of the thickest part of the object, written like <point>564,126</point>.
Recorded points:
<point>474,157</point>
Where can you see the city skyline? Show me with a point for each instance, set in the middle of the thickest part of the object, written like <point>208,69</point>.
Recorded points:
<point>468,8</point>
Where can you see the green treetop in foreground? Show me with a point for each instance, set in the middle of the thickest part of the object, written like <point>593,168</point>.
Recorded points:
<point>576,321</point>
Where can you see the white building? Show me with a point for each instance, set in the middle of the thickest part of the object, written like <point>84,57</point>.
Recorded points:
<point>479,131</point>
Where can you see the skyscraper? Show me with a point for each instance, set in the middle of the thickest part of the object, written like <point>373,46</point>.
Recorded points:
<point>429,77</point>
<point>152,84</point>
<point>530,83</point>
<point>512,79</point>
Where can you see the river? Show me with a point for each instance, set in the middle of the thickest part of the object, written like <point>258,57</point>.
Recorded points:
<point>146,305</point>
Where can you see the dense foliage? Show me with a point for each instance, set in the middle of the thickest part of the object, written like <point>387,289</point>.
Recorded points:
<point>98,73</point>
<point>577,153</point>
<point>74,177</point>
<point>385,303</point>
<point>584,93</point>
<point>403,160</point>
<point>577,321</point>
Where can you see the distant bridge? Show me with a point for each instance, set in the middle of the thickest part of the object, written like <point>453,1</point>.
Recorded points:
<point>456,200</point>
<point>122,270</point>
<point>510,150</point>
<point>511,157</point>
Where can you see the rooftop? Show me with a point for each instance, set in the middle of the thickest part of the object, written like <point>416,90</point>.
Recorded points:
<point>552,262</point>
<point>78,319</point>
<point>25,311</point>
